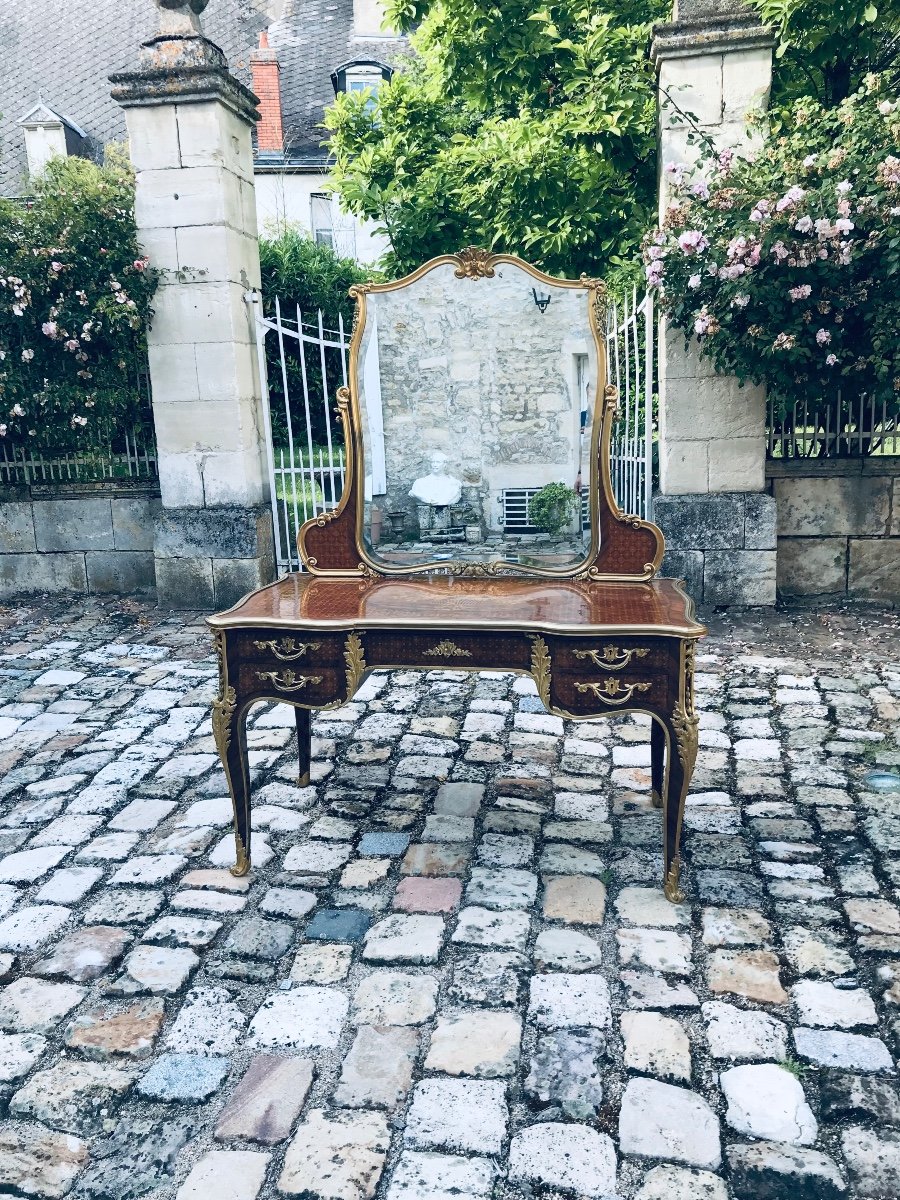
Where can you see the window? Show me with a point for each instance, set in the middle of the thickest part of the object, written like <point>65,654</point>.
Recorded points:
<point>321,219</point>
<point>365,79</point>
<point>359,75</point>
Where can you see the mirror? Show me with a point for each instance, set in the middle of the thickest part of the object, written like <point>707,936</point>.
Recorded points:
<point>475,383</point>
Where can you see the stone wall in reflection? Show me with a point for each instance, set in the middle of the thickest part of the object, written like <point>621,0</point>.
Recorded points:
<point>474,369</point>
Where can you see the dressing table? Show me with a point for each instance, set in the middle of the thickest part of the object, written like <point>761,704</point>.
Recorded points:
<point>501,370</point>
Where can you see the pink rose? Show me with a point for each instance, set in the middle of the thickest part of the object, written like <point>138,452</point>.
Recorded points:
<point>692,241</point>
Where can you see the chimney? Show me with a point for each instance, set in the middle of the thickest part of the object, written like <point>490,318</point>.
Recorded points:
<point>267,85</point>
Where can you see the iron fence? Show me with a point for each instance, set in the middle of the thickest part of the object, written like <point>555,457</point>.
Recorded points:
<point>841,428</point>
<point>632,368</point>
<point>133,458</point>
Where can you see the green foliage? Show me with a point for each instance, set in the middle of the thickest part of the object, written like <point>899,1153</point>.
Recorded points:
<point>826,47</point>
<point>553,507</point>
<point>75,293</point>
<point>525,127</point>
<point>309,275</point>
<point>787,267</point>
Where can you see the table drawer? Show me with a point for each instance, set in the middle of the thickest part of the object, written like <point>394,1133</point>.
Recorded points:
<point>596,658</point>
<point>301,651</point>
<point>449,650</point>
<point>303,683</point>
<point>584,692</point>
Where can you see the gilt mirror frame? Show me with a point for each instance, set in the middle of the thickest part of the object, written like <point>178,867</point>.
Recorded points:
<point>622,547</point>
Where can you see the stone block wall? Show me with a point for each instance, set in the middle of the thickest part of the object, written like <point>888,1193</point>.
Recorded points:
<point>723,546</point>
<point>90,541</point>
<point>838,527</point>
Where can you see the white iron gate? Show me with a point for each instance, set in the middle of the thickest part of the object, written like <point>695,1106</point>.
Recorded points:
<point>304,439</point>
<point>304,442</point>
<point>632,368</point>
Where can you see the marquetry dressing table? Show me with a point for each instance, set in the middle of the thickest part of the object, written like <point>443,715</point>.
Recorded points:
<point>479,380</point>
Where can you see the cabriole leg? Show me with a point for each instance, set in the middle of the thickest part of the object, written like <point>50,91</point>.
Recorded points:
<point>657,762</point>
<point>304,744</point>
<point>229,722</point>
<point>682,728</point>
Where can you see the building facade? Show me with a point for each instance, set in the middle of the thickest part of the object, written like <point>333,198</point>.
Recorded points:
<point>295,54</point>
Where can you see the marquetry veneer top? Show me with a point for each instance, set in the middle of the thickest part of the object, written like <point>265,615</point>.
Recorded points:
<point>442,601</point>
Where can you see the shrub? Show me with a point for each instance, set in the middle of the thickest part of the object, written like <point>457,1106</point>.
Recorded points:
<point>75,293</point>
<point>309,274</point>
<point>553,507</point>
<point>786,267</point>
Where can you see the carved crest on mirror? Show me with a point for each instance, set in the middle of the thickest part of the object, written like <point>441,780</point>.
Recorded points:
<point>477,420</point>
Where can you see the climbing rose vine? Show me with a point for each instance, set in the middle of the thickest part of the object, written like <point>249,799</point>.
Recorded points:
<point>75,293</point>
<point>786,267</point>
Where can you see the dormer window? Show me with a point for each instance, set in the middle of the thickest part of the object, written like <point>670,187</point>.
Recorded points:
<point>48,134</point>
<point>359,76</point>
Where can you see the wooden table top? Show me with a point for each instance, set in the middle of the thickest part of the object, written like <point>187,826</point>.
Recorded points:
<point>443,601</point>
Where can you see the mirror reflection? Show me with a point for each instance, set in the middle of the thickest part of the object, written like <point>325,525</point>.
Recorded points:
<point>476,401</point>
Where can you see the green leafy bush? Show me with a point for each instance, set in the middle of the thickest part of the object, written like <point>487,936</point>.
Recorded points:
<point>553,507</point>
<point>786,267</point>
<point>75,296</point>
<point>309,274</point>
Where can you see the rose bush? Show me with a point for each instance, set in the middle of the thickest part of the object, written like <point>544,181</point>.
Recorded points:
<point>786,267</point>
<point>75,294</point>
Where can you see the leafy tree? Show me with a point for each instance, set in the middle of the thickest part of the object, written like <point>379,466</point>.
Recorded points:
<point>527,127</point>
<point>826,47</point>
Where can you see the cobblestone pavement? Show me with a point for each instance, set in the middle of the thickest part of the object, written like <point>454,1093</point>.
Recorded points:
<point>452,972</point>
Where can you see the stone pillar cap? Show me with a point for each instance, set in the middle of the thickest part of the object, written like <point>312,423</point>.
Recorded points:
<point>183,70</point>
<point>709,27</point>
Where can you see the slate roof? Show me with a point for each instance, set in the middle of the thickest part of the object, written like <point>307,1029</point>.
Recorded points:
<point>63,52</point>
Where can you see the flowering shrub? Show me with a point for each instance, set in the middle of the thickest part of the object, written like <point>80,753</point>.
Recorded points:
<point>787,267</point>
<point>75,294</point>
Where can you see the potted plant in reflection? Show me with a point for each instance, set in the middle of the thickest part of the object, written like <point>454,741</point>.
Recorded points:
<point>553,507</point>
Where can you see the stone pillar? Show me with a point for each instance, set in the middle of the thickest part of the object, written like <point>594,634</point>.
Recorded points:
<point>189,126</point>
<point>715,64</point>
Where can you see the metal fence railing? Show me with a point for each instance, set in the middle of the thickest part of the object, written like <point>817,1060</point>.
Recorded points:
<point>133,458</point>
<point>841,428</point>
<point>301,372</point>
<point>632,368</point>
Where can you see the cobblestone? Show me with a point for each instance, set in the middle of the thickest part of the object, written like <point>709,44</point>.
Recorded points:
<point>451,970</point>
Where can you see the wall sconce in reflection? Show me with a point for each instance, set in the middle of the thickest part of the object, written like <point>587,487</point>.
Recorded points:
<point>541,299</point>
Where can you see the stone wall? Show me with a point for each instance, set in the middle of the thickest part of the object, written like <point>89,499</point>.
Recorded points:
<point>838,527</point>
<point>97,539</point>
<point>474,369</point>
<point>722,545</point>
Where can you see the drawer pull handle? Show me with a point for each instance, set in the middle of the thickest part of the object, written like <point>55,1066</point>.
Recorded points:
<point>613,691</point>
<point>287,681</point>
<point>447,649</point>
<point>611,658</point>
<point>287,649</point>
